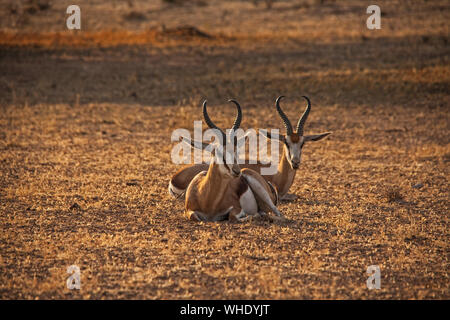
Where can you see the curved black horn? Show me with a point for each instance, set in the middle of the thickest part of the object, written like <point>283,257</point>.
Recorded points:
<point>302,120</point>
<point>207,118</point>
<point>283,116</point>
<point>209,122</point>
<point>237,121</point>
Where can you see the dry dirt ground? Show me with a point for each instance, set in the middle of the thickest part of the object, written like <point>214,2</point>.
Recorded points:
<point>85,125</point>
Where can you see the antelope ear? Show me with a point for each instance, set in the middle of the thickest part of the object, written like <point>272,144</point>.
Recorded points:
<point>316,137</point>
<point>268,135</point>
<point>195,144</point>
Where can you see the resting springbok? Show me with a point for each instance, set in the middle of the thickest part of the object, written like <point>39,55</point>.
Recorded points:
<point>224,191</point>
<point>283,179</point>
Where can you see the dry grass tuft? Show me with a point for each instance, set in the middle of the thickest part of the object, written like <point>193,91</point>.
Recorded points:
<point>393,194</point>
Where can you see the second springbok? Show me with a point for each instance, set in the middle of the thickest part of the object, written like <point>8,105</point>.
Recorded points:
<point>283,179</point>
<point>224,191</point>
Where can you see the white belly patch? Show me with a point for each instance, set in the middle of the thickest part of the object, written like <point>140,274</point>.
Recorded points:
<point>248,202</point>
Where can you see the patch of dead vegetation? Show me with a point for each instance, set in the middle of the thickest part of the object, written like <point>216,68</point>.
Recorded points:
<point>393,194</point>
<point>164,37</point>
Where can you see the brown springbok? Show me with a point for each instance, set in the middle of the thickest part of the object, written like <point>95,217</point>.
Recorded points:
<point>223,191</point>
<point>283,179</point>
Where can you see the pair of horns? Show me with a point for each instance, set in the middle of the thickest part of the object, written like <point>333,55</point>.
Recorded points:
<point>301,121</point>
<point>287,123</point>
<point>237,121</point>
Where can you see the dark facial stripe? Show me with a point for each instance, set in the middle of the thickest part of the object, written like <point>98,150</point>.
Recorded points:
<point>288,149</point>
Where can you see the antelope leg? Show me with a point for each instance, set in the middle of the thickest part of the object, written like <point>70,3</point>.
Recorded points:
<point>261,193</point>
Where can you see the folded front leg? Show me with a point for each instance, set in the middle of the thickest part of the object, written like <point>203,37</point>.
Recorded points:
<point>264,194</point>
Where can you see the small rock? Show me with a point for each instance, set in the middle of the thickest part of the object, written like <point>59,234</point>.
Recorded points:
<point>75,206</point>
<point>418,186</point>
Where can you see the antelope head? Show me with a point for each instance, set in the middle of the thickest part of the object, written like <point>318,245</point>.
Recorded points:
<point>294,140</point>
<point>224,148</point>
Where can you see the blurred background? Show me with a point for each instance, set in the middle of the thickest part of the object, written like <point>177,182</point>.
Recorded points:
<point>171,52</point>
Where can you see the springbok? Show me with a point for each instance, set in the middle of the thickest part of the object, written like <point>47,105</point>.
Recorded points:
<point>224,191</point>
<point>283,179</point>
